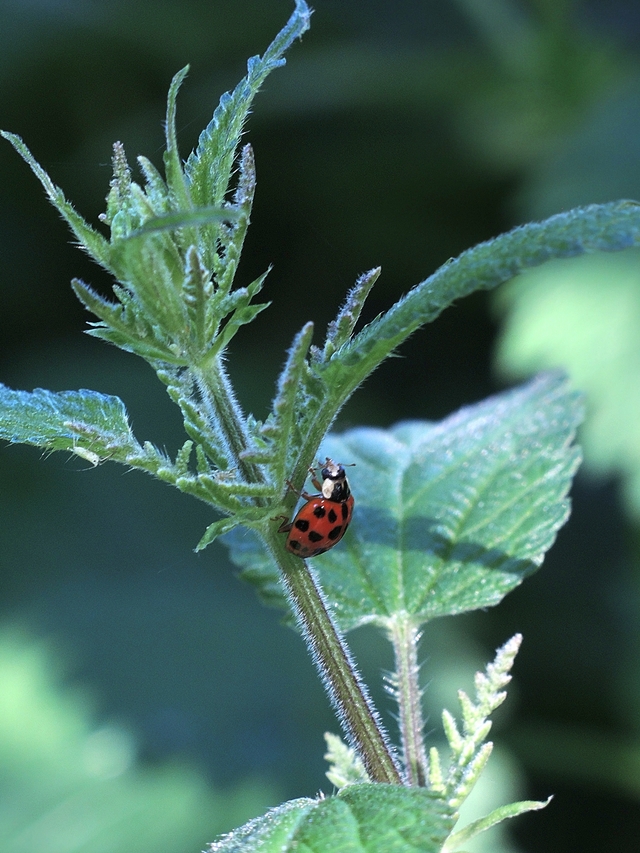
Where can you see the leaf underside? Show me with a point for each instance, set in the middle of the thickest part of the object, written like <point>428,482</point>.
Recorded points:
<point>83,422</point>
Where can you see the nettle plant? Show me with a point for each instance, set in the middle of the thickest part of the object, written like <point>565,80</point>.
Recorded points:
<point>449,517</point>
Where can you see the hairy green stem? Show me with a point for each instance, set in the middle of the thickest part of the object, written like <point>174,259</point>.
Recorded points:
<point>332,658</point>
<point>404,637</point>
<point>218,397</point>
<point>348,694</point>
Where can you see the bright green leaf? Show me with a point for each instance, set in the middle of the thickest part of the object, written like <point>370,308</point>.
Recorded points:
<point>283,424</point>
<point>345,765</point>
<point>86,423</point>
<point>452,516</point>
<point>217,528</point>
<point>183,219</point>
<point>173,166</point>
<point>449,517</point>
<point>208,169</point>
<point>94,243</point>
<point>605,227</point>
<point>360,819</point>
<point>496,817</point>
<point>598,227</point>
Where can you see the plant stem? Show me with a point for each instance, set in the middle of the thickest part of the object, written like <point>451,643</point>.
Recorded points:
<point>218,397</point>
<point>348,694</point>
<point>404,637</point>
<point>332,658</point>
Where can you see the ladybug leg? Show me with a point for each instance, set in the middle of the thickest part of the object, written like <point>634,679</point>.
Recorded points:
<point>286,525</point>
<point>292,488</point>
<point>314,480</point>
<point>302,494</point>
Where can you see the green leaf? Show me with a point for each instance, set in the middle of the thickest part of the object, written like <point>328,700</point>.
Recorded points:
<point>155,274</point>
<point>345,766</point>
<point>282,427</point>
<point>183,219</point>
<point>176,181</point>
<point>469,752</point>
<point>449,517</point>
<point>156,189</point>
<point>91,425</point>
<point>583,230</point>
<point>359,819</point>
<point>217,528</point>
<point>492,819</point>
<point>564,313</point>
<point>122,325</point>
<point>209,168</point>
<point>197,289</point>
<point>341,329</point>
<point>90,240</point>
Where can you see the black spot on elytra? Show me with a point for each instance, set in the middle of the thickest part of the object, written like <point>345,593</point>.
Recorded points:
<point>301,524</point>
<point>335,533</point>
<point>345,510</point>
<point>314,536</point>
<point>319,511</point>
<point>294,545</point>
<point>333,517</point>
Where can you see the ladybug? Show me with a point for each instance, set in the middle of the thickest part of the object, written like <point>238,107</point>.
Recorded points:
<point>323,519</point>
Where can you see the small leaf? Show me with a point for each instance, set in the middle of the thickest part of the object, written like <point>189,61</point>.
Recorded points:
<point>492,819</point>
<point>451,731</point>
<point>281,428</point>
<point>199,429</point>
<point>176,181</point>
<point>83,422</point>
<point>223,525</point>
<point>121,324</point>
<point>346,767</point>
<point>155,273</point>
<point>240,317</point>
<point>436,780</point>
<point>90,240</point>
<point>196,291</point>
<point>183,219</point>
<point>183,457</point>
<point>469,753</point>
<point>232,239</point>
<point>341,329</point>
<point>359,819</point>
<point>208,168</point>
<point>155,188</point>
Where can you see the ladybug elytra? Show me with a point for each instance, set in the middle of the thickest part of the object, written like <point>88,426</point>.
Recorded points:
<point>323,519</point>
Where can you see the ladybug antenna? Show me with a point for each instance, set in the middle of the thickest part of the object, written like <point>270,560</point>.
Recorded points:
<point>328,461</point>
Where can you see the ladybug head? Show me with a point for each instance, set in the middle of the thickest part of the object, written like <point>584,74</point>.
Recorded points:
<point>334,481</point>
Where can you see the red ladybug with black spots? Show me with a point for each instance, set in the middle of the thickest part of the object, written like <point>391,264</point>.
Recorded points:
<point>322,520</point>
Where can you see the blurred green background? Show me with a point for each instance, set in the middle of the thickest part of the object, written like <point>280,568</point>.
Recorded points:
<point>150,702</point>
